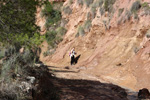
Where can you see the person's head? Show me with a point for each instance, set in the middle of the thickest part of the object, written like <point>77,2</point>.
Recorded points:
<point>72,49</point>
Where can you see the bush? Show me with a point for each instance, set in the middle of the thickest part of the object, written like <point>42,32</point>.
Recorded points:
<point>136,16</point>
<point>67,10</point>
<point>49,52</point>
<point>9,92</point>
<point>93,12</point>
<point>46,53</point>
<point>120,11</point>
<point>16,64</point>
<point>80,2</point>
<point>135,6</point>
<point>148,34</point>
<point>63,22</point>
<point>128,15</point>
<point>97,3</point>
<point>80,31</point>
<point>87,25</point>
<point>61,30</point>
<point>136,49</point>
<point>88,16</point>
<point>50,37</point>
<point>2,53</point>
<point>70,2</point>
<point>102,11</point>
<point>53,38</point>
<point>52,16</point>
<point>100,2</point>
<point>88,2</point>
<point>108,4</point>
<point>146,8</point>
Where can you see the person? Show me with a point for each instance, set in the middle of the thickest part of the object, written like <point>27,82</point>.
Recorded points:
<point>72,56</point>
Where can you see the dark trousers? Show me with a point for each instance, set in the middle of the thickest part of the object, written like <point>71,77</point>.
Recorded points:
<point>72,59</point>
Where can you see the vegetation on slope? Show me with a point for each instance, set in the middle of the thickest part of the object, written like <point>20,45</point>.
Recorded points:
<point>55,32</point>
<point>18,30</point>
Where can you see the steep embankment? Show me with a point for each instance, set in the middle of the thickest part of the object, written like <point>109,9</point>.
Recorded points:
<point>112,39</point>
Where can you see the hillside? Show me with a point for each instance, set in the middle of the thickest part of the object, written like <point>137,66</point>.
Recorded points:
<point>112,39</point>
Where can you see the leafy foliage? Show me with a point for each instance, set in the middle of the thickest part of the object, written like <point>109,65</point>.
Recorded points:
<point>88,2</point>
<point>87,25</point>
<point>52,16</point>
<point>80,31</point>
<point>102,11</point>
<point>97,3</point>
<point>93,12</point>
<point>70,2</point>
<point>53,38</point>
<point>135,6</point>
<point>120,11</point>
<point>108,4</point>
<point>67,10</point>
<point>146,8</point>
<point>80,2</point>
<point>61,31</point>
<point>15,64</point>
<point>18,19</point>
<point>63,22</point>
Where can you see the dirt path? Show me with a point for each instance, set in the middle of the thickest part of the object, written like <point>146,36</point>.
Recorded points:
<point>75,84</point>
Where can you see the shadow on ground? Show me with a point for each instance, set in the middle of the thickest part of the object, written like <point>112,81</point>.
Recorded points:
<point>52,88</point>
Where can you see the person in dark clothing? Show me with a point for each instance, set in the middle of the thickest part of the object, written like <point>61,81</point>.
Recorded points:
<point>72,56</point>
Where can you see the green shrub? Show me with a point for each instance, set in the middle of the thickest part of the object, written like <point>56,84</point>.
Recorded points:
<point>49,52</point>
<point>52,16</point>
<point>53,38</point>
<point>135,6</point>
<point>148,34</point>
<point>80,2</point>
<point>80,31</point>
<point>136,16</point>
<point>70,2</point>
<point>104,22</point>
<point>145,4</point>
<point>94,5</point>
<point>46,53</point>
<point>102,11</point>
<point>2,54</point>
<point>87,25</point>
<point>50,37</point>
<point>58,39</point>
<point>97,3</point>
<point>108,4</point>
<point>61,30</point>
<point>48,8</point>
<point>120,11</point>
<point>67,10</point>
<point>88,16</point>
<point>136,49</point>
<point>17,63</point>
<point>88,2</point>
<point>63,22</point>
<point>100,2</point>
<point>93,12</point>
<point>128,15</point>
<point>146,8</point>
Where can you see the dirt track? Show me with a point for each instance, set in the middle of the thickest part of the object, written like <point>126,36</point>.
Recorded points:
<point>74,84</point>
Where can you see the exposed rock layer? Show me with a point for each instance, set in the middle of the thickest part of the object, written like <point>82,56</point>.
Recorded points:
<point>115,49</point>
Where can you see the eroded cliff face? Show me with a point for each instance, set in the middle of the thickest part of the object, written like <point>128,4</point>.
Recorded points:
<point>114,47</point>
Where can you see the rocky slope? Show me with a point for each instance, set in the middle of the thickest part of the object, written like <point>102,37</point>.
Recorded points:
<point>112,39</point>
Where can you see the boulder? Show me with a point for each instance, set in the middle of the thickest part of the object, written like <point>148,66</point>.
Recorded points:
<point>143,94</point>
